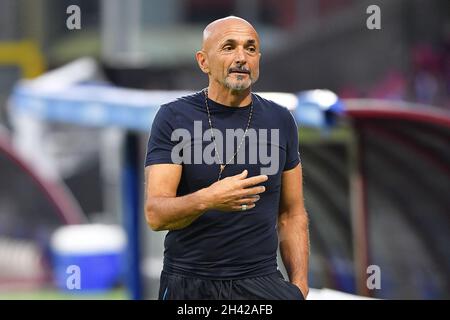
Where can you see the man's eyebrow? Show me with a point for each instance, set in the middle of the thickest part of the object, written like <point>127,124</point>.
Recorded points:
<point>232,41</point>
<point>229,41</point>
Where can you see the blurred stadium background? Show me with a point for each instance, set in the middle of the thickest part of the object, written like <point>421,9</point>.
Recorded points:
<point>76,107</point>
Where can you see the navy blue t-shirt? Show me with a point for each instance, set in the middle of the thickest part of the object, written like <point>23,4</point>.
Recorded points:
<point>225,245</point>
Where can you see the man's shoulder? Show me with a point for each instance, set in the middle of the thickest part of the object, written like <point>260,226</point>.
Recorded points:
<point>178,109</point>
<point>183,101</point>
<point>272,106</point>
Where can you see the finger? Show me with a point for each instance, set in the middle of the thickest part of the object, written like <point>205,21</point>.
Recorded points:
<point>243,174</point>
<point>239,208</point>
<point>247,200</point>
<point>240,176</point>
<point>252,191</point>
<point>254,180</point>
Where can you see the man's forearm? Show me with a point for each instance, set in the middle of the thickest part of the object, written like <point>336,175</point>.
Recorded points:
<point>294,247</point>
<point>171,213</point>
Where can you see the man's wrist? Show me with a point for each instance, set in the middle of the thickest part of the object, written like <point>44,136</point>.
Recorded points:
<point>304,288</point>
<point>204,202</point>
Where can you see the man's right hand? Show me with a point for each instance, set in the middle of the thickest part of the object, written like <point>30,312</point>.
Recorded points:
<point>229,194</point>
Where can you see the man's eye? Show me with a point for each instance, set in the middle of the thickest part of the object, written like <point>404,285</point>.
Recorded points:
<point>251,49</point>
<point>227,48</point>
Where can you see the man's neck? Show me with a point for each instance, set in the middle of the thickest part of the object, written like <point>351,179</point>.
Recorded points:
<point>229,97</point>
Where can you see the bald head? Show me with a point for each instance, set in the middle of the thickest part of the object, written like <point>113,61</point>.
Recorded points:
<point>230,56</point>
<point>219,26</point>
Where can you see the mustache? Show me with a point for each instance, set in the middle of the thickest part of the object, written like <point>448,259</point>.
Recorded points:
<point>240,70</point>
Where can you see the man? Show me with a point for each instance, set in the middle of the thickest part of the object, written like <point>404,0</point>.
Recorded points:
<point>208,191</point>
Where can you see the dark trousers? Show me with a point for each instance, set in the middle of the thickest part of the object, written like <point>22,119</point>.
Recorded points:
<point>270,287</point>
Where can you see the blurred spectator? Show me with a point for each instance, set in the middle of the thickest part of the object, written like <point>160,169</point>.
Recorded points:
<point>393,87</point>
<point>426,65</point>
<point>428,83</point>
<point>446,69</point>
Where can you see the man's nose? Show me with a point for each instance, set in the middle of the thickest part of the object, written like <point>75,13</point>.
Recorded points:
<point>240,56</point>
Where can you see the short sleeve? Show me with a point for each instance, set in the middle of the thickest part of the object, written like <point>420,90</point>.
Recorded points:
<point>292,145</point>
<point>160,145</point>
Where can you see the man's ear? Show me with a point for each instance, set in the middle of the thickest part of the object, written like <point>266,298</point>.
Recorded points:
<point>202,61</point>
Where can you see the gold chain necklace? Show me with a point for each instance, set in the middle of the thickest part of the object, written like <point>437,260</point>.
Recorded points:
<point>222,165</point>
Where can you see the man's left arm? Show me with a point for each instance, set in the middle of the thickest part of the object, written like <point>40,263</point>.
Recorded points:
<point>293,228</point>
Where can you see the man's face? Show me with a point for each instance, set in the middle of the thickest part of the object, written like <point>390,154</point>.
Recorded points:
<point>233,53</point>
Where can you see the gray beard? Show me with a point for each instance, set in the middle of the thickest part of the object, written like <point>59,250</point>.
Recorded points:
<point>238,86</point>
